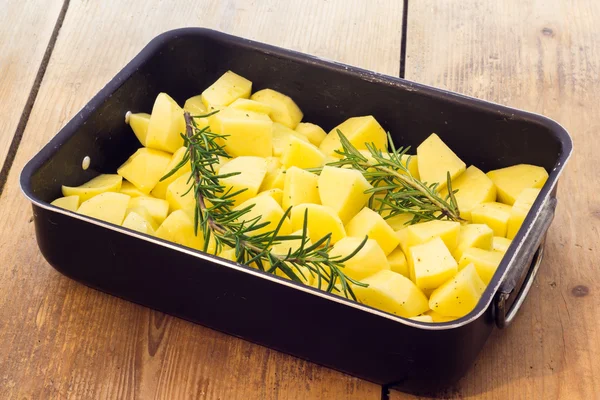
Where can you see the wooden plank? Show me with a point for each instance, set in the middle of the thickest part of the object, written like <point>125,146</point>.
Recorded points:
<point>21,53</point>
<point>60,339</point>
<point>544,57</point>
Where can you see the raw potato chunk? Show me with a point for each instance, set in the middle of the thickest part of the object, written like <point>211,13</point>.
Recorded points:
<point>195,106</point>
<point>275,176</point>
<point>145,168</point>
<point>70,203</point>
<point>179,228</point>
<point>228,88</point>
<point>285,111</point>
<point>160,189</point>
<point>486,262</point>
<point>519,211</point>
<point>139,125</point>
<point>511,181</point>
<point>359,131</point>
<point>248,133</point>
<point>393,293</point>
<point>314,133</point>
<point>435,160</point>
<point>289,246</point>
<point>322,220</point>
<point>474,188</point>
<point>501,244</point>
<point>251,170</point>
<point>276,194</point>
<point>100,184</point>
<point>281,138</point>
<point>423,232</point>
<point>369,259</point>
<point>130,189</point>
<point>439,317</point>
<point>399,221</point>
<point>251,105</point>
<point>299,187</point>
<point>459,295</point>
<point>495,215</point>
<point>473,235</point>
<point>180,195</point>
<point>136,222</point>
<point>409,161</point>
<point>368,223</point>
<point>431,264</point>
<point>398,263</point>
<point>302,154</point>
<point>422,318</point>
<point>343,190</point>
<point>158,208</point>
<point>108,206</point>
<point>264,209</point>
<point>144,213</point>
<point>166,125</point>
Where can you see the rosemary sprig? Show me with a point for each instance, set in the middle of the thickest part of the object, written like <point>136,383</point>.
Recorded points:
<point>394,187</point>
<point>218,221</point>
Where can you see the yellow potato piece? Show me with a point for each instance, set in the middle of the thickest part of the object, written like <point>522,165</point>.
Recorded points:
<point>473,235</point>
<point>511,181</point>
<point>438,317</point>
<point>314,133</point>
<point>519,211</point>
<point>369,259</point>
<point>281,138</point>
<point>299,187</point>
<point>399,221</point>
<point>431,264</point>
<point>474,188</point>
<point>368,223</point>
<point>139,125</point>
<point>393,293</point>
<point>70,203</point>
<point>459,295</point>
<point>180,195</point>
<point>435,160</point>
<point>130,189</point>
<point>276,194</point>
<point>343,190</point>
<point>136,222</point>
<point>486,262</point>
<point>409,161</point>
<point>359,131</point>
<point>287,247</point>
<point>423,318</point>
<point>302,154</point>
<point>228,88</point>
<point>284,110</point>
<point>322,220</point>
<point>282,248</point>
<point>264,209</point>
<point>179,228</point>
<point>501,244</point>
<point>423,232</point>
<point>398,263</point>
<point>195,106</point>
<point>160,189</point>
<point>158,208</point>
<point>495,215</point>
<point>144,213</point>
<point>100,184</point>
<point>274,176</point>
<point>251,172</point>
<point>145,168</point>
<point>107,206</point>
<point>251,105</point>
<point>166,125</point>
<point>248,133</point>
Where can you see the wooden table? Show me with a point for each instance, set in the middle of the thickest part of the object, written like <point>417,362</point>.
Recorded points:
<point>59,339</point>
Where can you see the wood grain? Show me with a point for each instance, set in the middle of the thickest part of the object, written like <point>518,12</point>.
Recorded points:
<point>21,51</point>
<point>543,56</point>
<point>59,339</point>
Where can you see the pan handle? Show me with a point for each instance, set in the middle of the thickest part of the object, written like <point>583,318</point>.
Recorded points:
<point>528,255</point>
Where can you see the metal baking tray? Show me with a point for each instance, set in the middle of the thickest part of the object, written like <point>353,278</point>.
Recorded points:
<point>262,308</point>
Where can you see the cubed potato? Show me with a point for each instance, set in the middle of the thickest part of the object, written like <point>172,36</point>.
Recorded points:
<point>302,154</point>
<point>435,160</point>
<point>139,125</point>
<point>252,105</point>
<point>248,133</point>
<point>252,171</point>
<point>369,259</point>
<point>393,293</point>
<point>359,131</point>
<point>314,133</point>
<point>70,203</point>
<point>459,295</point>
<point>398,263</point>
<point>286,247</point>
<point>179,228</point>
<point>130,189</point>
<point>283,247</point>
<point>322,220</point>
<point>160,189</point>
<point>275,176</point>
<point>136,222</point>
<point>495,215</point>
<point>284,110</point>
<point>166,125</point>
<point>486,262</point>
<point>511,181</point>
<point>344,190</point>
<point>404,244</point>
<point>158,208</point>
<point>281,138</point>
<point>439,317</point>
<point>180,194</point>
<point>228,254</point>
<point>195,106</point>
<point>409,161</point>
<point>100,184</point>
<point>473,235</point>
<point>107,206</point>
<point>519,211</point>
<point>229,87</point>
<point>501,244</point>
<point>399,221</point>
<point>299,187</point>
<point>423,318</point>
<point>145,168</point>
<point>144,213</point>
<point>368,223</point>
<point>423,232</point>
<point>264,209</point>
<point>276,194</point>
<point>431,264</point>
<point>474,188</point>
